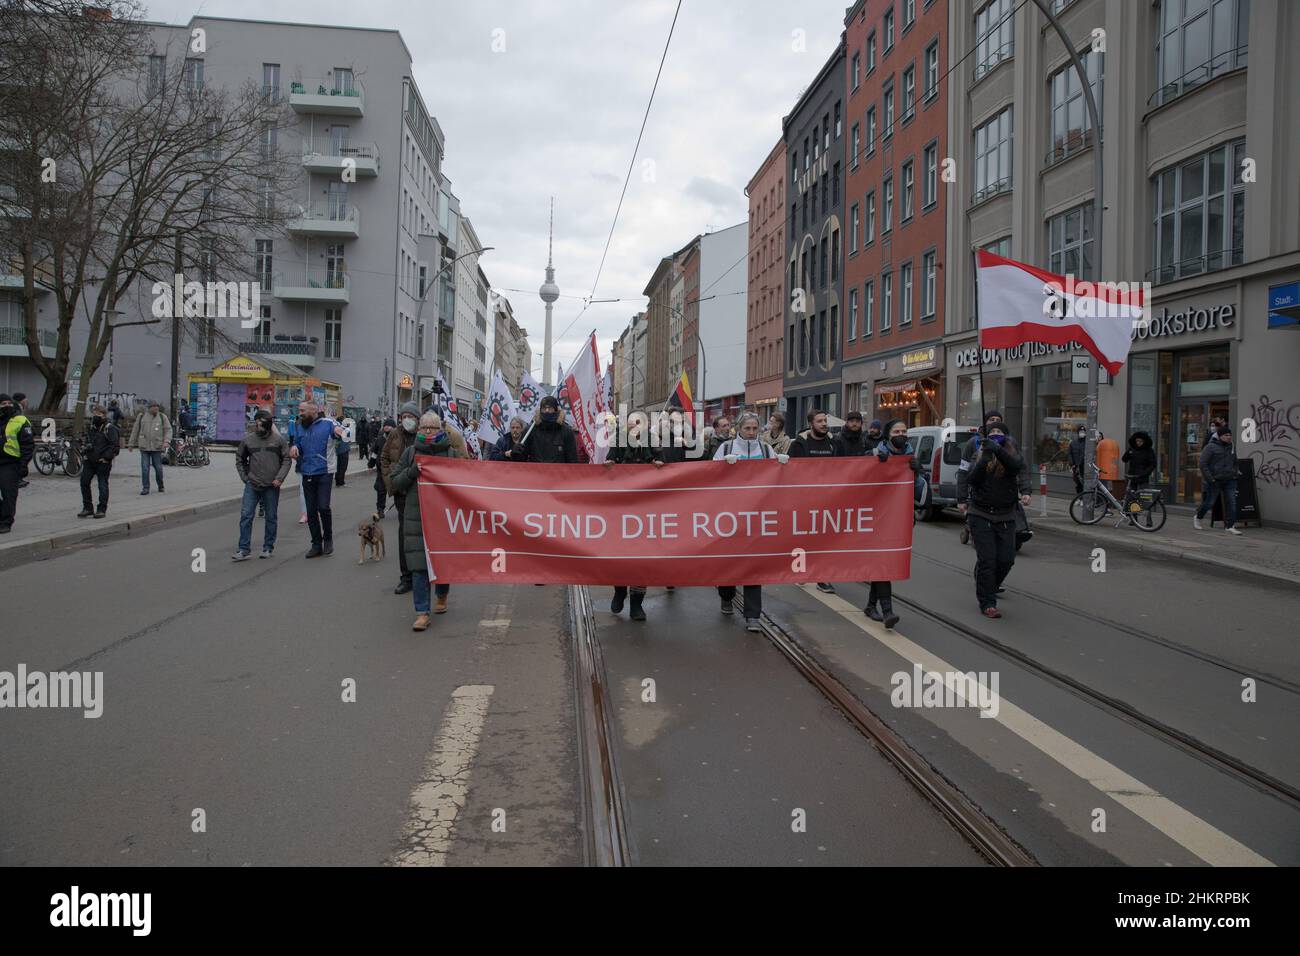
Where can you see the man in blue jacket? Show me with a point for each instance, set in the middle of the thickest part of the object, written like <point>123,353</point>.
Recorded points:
<point>314,451</point>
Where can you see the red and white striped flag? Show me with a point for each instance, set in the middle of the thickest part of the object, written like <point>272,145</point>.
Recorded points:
<point>1019,303</point>
<point>587,400</point>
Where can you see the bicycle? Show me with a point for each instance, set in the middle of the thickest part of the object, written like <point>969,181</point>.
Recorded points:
<point>60,453</point>
<point>1143,508</point>
<point>192,450</point>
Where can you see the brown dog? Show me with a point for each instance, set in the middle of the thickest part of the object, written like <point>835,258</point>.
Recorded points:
<point>371,533</point>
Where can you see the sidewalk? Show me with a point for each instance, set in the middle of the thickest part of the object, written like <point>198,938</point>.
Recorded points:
<point>1267,552</point>
<point>47,508</point>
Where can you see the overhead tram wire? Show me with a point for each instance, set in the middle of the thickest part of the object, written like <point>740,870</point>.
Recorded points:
<point>630,166</point>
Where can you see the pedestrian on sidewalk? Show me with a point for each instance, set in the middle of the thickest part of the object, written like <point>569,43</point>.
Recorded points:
<point>103,442</point>
<point>262,463</point>
<point>1219,478</point>
<point>434,440</point>
<point>314,453</point>
<point>16,451</point>
<point>817,443</point>
<point>341,453</point>
<point>993,494</point>
<point>637,451</point>
<point>399,440</point>
<point>379,435</point>
<point>151,434</point>
<point>880,599</point>
<point>746,447</point>
<point>1140,459</point>
<point>1078,447</point>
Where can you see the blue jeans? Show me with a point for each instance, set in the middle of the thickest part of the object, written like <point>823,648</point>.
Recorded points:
<point>1212,491</point>
<point>269,498</point>
<point>320,520</point>
<point>420,590</point>
<point>146,459</point>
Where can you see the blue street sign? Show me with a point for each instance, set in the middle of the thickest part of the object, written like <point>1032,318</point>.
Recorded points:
<point>1284,306</point>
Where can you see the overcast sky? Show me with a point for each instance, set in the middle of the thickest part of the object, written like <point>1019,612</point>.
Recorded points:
<point>558,113</point>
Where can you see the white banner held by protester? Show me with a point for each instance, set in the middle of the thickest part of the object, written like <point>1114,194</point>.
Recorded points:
<point>530,394</point>
<point>497,411</point>
<point>587,401</point>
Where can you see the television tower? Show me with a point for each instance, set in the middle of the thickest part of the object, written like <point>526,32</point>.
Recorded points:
<point>549,292</point>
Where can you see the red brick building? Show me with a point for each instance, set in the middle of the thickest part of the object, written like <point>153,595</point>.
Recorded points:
<point>895,209</point>
<point>764,341</point>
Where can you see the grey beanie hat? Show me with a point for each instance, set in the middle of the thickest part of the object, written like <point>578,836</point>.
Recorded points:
<point>410,408</point>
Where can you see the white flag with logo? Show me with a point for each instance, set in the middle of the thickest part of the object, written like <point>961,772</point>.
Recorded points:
<point>497,411</point>
<point>587,401</point>
<point>530,394</point>
<point>1019,303</point>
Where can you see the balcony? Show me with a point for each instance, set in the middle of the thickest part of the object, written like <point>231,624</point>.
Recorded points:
<point>329,159</point>
<point>328,219</point>
<point>320,96</point>
<point>327,289</point>
<point>13,283</point>
<point>297,350</point>
<point>14,345</point>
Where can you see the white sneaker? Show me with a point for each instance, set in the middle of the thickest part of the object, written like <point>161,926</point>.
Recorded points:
<point>1233,531</point>
<point>1196,523</point>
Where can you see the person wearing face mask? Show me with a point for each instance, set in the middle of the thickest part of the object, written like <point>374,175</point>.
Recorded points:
<point>1078,445</point>
<point>549,440</point>
<point>991,513</point>
<point>16,451</point>
<point>399,440</point>
<point>969,456</point>
<point>880,600</point>
<point>103,442</point>
<point>432,439</point>
<point>379,433</point>
<point>262,463</point>
<point>1219,477</point>
<point>314,452</point>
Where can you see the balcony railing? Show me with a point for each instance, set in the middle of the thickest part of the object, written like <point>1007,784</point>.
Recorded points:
<point>995,57</point>
<point>13,341</point>
<point>296,350</point>
<point>331,288</point>
<point>1195,266</point>
<point>1217,65</point>
<point>991,190</point>
<point>1075,141</point>
<point>327,218</point>
<point>327,95</point>
<point>329,158</point>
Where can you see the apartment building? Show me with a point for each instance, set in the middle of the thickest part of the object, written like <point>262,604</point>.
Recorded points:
<point>721,292</point>
<point>1201,131</point>
<point>764,341</point>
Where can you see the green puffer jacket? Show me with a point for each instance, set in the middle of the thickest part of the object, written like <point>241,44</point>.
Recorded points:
<point>405,475</point>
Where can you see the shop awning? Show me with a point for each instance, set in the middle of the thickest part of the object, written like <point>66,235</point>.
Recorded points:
<point>885,387</point>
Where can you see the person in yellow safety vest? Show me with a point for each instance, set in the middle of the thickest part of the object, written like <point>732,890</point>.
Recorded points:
<point>15,453</point>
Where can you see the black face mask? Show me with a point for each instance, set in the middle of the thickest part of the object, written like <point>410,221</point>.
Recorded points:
<point>264,427</point>
<point>98,421</point>
<point>550,416</point>
<point>899,441</point>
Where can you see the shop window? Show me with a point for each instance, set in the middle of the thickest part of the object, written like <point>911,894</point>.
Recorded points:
<point>1060,407</point>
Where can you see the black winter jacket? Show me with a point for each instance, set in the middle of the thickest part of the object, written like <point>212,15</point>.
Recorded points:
<point>551,443</point>
<point>995,496</point>
<point>102,444</point>
<point>1218,461</point>
<point>1141,461</point>
<point>813,447</point>
<point>849,445</point>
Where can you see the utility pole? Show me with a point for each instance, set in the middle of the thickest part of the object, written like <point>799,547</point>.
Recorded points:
<point>176,331</point>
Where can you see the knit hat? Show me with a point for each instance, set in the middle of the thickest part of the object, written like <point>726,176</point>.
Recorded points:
<point>550,401</point>
<point>851,416</point>
<point>890,424</point>
<point>991,414</point>
<point>390,422</point>
<point>410,408</point>
<point>875,423</point>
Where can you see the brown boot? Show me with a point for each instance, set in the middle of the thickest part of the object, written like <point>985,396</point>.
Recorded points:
<point>421,623</point>
<point>440,604</point>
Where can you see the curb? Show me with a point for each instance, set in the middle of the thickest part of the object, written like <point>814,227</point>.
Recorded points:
<point>1169,551</point>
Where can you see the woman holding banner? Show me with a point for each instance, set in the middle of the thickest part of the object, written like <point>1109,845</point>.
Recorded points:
<point>880,602</point>
<point>747,446</point>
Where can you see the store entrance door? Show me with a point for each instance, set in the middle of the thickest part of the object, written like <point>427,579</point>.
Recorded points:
<point>1193,432</point>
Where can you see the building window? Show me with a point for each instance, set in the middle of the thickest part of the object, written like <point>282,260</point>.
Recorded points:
<point>887,213</point>
<point>869,220</point>
<point>999,247</point>
<point>262,331</point>
<point>889,29</point>
<point>853,314</point>
<point>1200,218</point>
<point>271,82</point>
<point>905,294</point>
<point>266,198</point>
<point>1069,243</point>
<point>835,255</point>
<point>262,263</point>
<point>857,71</point>
<point>193,75</point>
<point>826,132</point>
<point>835,333</point>
<point>927,287</point>
<point>889,112</point>
<point>835,185</point>
<point>886,301</point>
<point>909,93</point>
<point>419,338</point>
<point>333,333</point>
<point>994,33</point>
<point>855,138</point>
<point>839,123</point>
<point>871,52</point>
<point>270,141</point>
<point>853,229</point>
<point>993,156</point>
<point>157,73</point>
<point>1071,125</point>
<point>343,80</point>
<point>931,70</point>
<point>1197,41</point>
<point>909,13</point>
<point>909,189</point>
<point>335,270</point>
<point>825,257</point>
<point>930,185</point>
<point>207,336</point>
<point>868,307</point>
<point>871,131</point>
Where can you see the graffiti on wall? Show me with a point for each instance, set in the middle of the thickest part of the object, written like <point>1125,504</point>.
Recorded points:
<point>127,401</point>
<point>1278,427</point>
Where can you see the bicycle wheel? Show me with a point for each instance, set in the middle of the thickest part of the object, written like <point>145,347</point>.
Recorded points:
<point>1152,518</point>
<point>1100,508</point>
<point>203,457</point>
<point>45,460</point>
<point>71,462</point>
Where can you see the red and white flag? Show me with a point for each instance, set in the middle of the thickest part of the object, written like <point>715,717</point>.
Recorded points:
<point>587,401</point>
<point>1019,303</point>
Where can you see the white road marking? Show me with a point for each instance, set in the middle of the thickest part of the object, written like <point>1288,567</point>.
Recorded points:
<point>1183,827</point>
<point>444,783</point>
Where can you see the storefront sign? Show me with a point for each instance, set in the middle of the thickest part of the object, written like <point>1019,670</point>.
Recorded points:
<point>1187,321</point>
<point>970,358</point>
<point>240,367</point>
<point>405,381</point>
<point>1284,306</point>
<point>1079,371</point>
<point>919,360</point>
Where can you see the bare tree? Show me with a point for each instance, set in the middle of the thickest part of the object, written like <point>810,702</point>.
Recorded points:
<point>123,170</point>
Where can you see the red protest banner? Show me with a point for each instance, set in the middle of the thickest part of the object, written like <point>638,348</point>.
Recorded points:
<point>687,524</point>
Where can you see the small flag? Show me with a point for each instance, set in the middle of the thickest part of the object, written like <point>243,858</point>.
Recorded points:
<point>530,394</point>
<point>681,396</point>
<point>497,412</point>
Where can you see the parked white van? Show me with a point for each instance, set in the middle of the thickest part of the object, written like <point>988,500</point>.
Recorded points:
<point>939,454</point>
